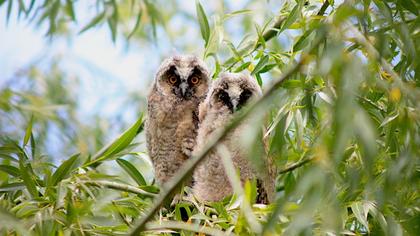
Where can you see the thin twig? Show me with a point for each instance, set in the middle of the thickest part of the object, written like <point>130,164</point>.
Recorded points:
<point>184,226</point>
<point>324,7</point>
<point>294,166</point>
<point>187,169</point>
<point>118,186</point>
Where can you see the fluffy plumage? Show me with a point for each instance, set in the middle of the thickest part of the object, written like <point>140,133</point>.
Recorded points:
<point>181,83</point>
<point>226,96</point>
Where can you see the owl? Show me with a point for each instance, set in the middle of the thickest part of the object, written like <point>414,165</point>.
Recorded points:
<point>225,97</point>
<point>181,83</point>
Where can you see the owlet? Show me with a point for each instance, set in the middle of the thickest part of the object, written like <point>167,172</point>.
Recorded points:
<point>181,83</point>
<point>226,96</point>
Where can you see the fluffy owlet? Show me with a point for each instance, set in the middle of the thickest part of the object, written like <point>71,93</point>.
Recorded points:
<point>181,83</point>
<point>226,96</point>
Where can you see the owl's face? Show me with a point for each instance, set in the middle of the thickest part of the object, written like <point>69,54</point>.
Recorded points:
<point>183,77</point>
<point>232,91</point>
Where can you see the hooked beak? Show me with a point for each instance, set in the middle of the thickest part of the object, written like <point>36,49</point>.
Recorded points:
<point>183,86</point>
<point>235,104</point>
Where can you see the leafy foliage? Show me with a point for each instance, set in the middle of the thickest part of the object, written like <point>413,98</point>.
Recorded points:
<point>341,112</point>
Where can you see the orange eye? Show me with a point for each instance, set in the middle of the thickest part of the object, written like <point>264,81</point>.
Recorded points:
<point>194,80</point>
<point>172,79</point>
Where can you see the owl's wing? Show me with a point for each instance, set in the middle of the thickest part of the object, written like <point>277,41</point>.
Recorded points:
<point>152,122</point>
<point>269,179</point>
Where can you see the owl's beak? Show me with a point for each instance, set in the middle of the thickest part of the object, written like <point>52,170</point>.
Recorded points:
<point>183,87</point>
<point>235,104</point>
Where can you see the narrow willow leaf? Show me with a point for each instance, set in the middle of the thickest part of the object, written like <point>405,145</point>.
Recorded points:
<point>410,6</point>
<point>22,7</point>
<point>291,18</point>
<point>118,144</point>
<point>204,23</point>
<point>11,170</point>
<point>136,26</point>
<point>242,67</point>
<point>132,171</point>
<point>259,79</point>
<point>9,10</point>
<point>93,22</point>
<point>52,15</point>
<point>31,5</point>
<point>389,119</point>
<point>267,68</point>
<point>235,13</point>
<point>113,21</point>
<point>303,41</point>
<point>33,146</point>
<point>64,169</point>
<point>150,188</point>
<point>28,132</point>
<point>28,177</point>
<point>261,63</point>
<point>361,213</point>
<point>12,187</point>
<point>325,97</point>
<point>113,28</point>
<point>70,10</point>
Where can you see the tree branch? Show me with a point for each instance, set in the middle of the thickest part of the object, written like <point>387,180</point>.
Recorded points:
<point>188,167</point>
<point>324,7</point>
<point>118,186</point>
<point>294,166</point>
<point>184,226</point>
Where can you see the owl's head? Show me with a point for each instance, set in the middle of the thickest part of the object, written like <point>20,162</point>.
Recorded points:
<point>183,77</point>
<point>232,91</point>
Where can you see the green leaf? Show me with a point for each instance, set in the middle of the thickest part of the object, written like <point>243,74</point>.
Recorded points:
<point>361,211</point>
<point>9,10</point>
<point>28,132</point>
<point>267,68</point>
<point>136,26</point>
<point>11,170</point>
<point>259,79</point>
<point>261,63</point>
<point>410,6</point>
<point>235,13</point>
<point>291,18</point>
<point>64,169</point>
<point>70,10</point>
<point>113,21</point>
<point>150,188</point>
<point>204,23</point>
<point>242,67</point>
<point>93,22</point>
<point>28,177</point>
<point>118,144</point>
<point>132,171</point>
<point>12,187</point>
<point>303,41</point>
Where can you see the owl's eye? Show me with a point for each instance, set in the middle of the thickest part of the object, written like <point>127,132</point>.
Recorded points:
<point>172,79</point>
<point>194,80</point>
<point>245,95</point>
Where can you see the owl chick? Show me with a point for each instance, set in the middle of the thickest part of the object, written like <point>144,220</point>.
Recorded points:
<point>181,83</point>
<point>226,96</point>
